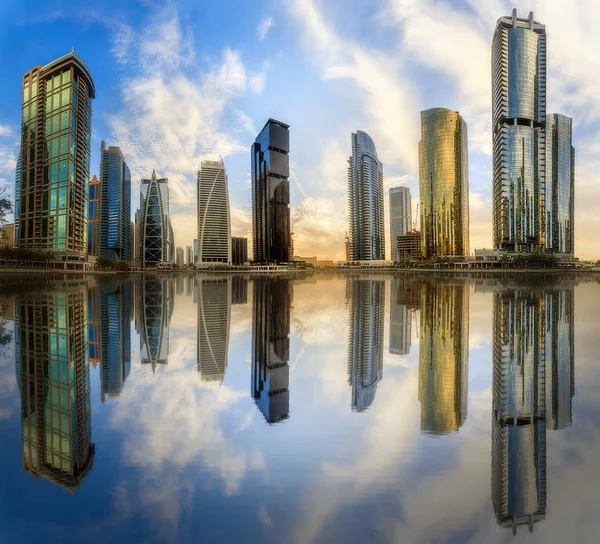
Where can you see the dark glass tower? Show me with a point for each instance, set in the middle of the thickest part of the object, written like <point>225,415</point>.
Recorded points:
<point>154,224</point>
<point>271,231</point>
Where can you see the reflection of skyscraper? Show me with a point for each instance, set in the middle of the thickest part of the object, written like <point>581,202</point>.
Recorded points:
<point>401,311</point>
<point>156,309</point>
<point>116,337</point>
<point>239,290</point>
<point>271,346</point>
<point>94,340</point>
<point>51,360</point>
<point>214,314</point>
<point>365,340</point>
<point>443,356</point>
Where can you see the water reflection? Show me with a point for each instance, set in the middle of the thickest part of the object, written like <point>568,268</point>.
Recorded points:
<point>158,299</point>
<point>404,303</point>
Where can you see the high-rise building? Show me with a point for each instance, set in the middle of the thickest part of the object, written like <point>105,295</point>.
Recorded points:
<point>94,194</point>
<point>271,226</point>
<point>171,244</point>
<point>366,302</point>
<point>443,356</point>
<point>444,184</point>
<point>115,205</point>
<point>195,250</point>
<point>409,246</point>
<point>560,185</point>
<point>214,222</point>
<point>179,260</point>
<point>154,222</point>
<point>137,237</point>
<point>156,310</point>
<point>400,216</point>
<point>17,214</point>
<point>214,314</point>
<point>519,133</point>
<point>271,319</point>
<point>55,159</point>
<point>239,251</point>
<point>189,256</point>
<point>365,201</point>
<point>54,380</point>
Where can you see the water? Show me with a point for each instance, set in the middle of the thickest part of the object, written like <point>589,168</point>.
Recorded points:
<point>323,408</point>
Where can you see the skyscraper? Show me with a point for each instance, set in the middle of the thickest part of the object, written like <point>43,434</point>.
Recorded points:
<point>443,356</point>
<point>271,227</point>
<point>154,222</point>
<point>115,205</point>
<point>17,198</point>
<point>214,223</point>
<point>214,314</point>
<point>365,340</point>
<point>519,133</point>
<point>94,190</point>
<point>195,250</point>
<point>170,243</point>
<point>55,159</point>
<point>444,183</point>
<point>365,200</point>
<point>179,260</point>
<point>560,185</point>
<point>400,216</point>
<point>239,250</point>
<point>189,256</point>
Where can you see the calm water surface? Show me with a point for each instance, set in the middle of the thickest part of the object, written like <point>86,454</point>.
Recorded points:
<point>323,408</point>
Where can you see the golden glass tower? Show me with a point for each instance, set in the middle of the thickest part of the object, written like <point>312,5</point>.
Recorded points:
<point>444,183</point>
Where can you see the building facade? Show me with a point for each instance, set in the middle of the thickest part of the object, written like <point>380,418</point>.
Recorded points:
<point>366,235</point>
<point>51,199</point>
<point>115,205</point>
<point>444,184</point>
<point>560,185</point>
<point>239,251</point>
<point>154,223</point>
<point>214,222</point>
<point>189,256</point>
<point>400,216</point>
<point>179,260</point>
<point>271,226</point>
<point>519,133</point>
<point>94,195</point>
<point>409,246</point>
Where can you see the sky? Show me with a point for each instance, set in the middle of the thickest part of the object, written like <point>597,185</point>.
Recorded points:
<point>182,81</point>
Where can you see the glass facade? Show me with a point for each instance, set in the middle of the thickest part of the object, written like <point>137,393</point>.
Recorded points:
<point>154,222</point>
<point>365,201</point>
<point>271,227</point>
<point>519,133</point>
<point>94,195</point>
<point>444,184</point>
<point>400,216</point>
<point>239,251</point>
<point>55,156</point>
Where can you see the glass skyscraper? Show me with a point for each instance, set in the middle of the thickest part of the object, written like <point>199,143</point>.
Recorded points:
<point>519,133</point>
<point>154,224</point>
<point>51,200</point>
<point>214,222</point>
<point>271,227</point>
<point>400,216</point>
<point>94,192</point>
<point>444,184</point>
<point>365,201</point>
<point>115,205</point>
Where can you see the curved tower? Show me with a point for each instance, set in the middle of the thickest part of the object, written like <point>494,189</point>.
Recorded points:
<point>154,227</point>
<point>519,133</point>
<point>365,200</point>
<point>444,183</point>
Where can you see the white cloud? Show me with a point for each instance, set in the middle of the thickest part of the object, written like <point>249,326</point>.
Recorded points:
<point>263,27</point>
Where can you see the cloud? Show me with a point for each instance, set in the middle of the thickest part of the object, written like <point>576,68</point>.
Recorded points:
<point>263,27</point>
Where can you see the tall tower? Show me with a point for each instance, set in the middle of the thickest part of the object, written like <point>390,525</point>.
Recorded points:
<point>444,183</point>
<point>55,157</point>
<point>365,200</point>
<point>560,185</point>
<point>214,222</point>
<point>400,216</point>
<point>115,206</point>
<point>271,227</point>
<point>519,133</point>
<point>94,194</point>
<point>154,221</point>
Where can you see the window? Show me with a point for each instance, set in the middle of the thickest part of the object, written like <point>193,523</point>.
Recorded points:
<point>63,170</point>
<point>62,203</point>
<point>64,144</point>
<point>65,96</point>
<point>53,199</point>
<point>66,76</point>
<point>56,100</point>
<point>26,92</point>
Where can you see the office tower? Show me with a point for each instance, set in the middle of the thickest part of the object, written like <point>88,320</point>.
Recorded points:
<point>366,302</point>
<point>365,201</point>
<point>189,256</point>
<point>94,324</point>
<point>271,226</point>
<point>560,185</point>
<point>214,315</point>
<point>171,244</point>
<point>214,223</point>
<point>94,195</point>
<point>239,251</point>
<point>53,377</point>
<point>519,133</point>
<point>271,317</point>
<point>17,213</point>
<point>156,309</point>
<point>154,221</point>
<point>409,246</point>
<point>179,257</point>
<point>115,205</point>
<point>443,356</point>
<point>137,247</point>
<point>400,216</point>
<point>55,159</point>
<point>404,300</point>
<point>195,250</point>
<point>131,239</point>
<point>444,184</point>
<point>115,297</point>
<point>239,290</point>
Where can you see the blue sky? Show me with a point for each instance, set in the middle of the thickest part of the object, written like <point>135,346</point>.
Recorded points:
<point>181,81</point>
